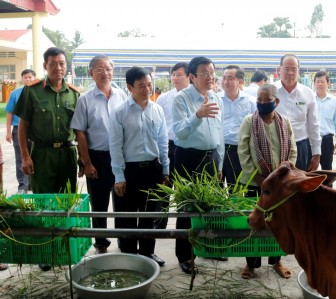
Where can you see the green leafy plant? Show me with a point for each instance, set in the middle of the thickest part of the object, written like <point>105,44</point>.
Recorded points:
<point>203,193</point>
<point>69,201</point>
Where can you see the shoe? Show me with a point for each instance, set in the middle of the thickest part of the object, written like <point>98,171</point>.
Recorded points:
<point>3,267</point>
<point>221,259</point>
<point>44,267</point>
<point>187,267</point>
<point>101,250</point>
<point>160,261</point>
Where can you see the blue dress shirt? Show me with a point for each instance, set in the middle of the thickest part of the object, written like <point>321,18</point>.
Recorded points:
<point>198,133</point>
<point>137,135</point>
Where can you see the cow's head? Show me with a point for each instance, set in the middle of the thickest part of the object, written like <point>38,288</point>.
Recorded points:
<point>278,188</point>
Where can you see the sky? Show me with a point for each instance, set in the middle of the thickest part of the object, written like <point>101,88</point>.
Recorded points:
<point>228,20</point>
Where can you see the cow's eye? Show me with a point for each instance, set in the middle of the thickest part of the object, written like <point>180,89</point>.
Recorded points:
<point>266,192</point>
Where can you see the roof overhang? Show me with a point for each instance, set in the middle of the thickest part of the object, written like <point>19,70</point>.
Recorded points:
<point>25,8</point>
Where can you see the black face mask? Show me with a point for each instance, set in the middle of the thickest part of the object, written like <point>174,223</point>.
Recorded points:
<point>265,109</point>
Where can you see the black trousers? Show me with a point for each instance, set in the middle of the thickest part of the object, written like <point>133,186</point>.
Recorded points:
<point>139,176</point>
<point>327,152</point>
<point>231,165</point>
<point>100,190</point>
<point>255,262</point>
<point>192,161</point>
<point>161,223</point>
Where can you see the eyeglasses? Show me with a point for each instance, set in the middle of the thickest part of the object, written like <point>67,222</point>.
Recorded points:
<point>207,75</point>
<point>102,70</point>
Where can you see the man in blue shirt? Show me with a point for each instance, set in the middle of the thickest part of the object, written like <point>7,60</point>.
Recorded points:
<point>138,141</point>
<point>27,76</point>
<point>237,104</point>
<point>90,122</point>
<point>326,107</point>
<point>199,136</point>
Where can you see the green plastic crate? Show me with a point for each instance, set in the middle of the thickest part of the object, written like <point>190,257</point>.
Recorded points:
<point>48,202</point>
<point>231,247</point>
<point>53,253</point>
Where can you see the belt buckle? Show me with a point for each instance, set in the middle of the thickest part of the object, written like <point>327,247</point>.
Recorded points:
<point>144,164</point>
<point>57,144</point>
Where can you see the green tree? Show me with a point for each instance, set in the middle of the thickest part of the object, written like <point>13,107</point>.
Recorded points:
<point>278,28</point>
<point>77,40</point>
<point>315,26</point>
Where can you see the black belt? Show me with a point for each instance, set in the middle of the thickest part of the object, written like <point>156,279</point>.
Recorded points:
<point>55,144</point>
<point>233,146</point>
<point>143,164</point>
<point>328,136</point>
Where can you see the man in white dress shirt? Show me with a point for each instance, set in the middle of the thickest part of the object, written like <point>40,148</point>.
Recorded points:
<point>298,104</point>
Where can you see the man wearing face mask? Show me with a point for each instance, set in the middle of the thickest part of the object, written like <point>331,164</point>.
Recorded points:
<point>265,140</point>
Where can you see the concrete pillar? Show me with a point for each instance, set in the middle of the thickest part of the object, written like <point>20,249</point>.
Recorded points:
<point>37,51</point>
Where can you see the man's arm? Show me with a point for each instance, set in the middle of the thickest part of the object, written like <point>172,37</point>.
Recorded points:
<point>89,170</point>
<point>27,163</point>
<point>9,118</point>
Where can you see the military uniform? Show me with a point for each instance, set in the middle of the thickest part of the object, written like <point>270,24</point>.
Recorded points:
<point>53,152</point>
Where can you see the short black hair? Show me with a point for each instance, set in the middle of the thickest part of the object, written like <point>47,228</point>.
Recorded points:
<point>179,65</point>
<point>53,51</point>
<point>136,73</point>
<point>322,74</point>
<point>240,74</point>
<point>196,61</point>
<point>28,71</point>
<point>259,76</point>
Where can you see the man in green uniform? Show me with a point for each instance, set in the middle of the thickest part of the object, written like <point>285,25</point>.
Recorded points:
<point>45,108</point>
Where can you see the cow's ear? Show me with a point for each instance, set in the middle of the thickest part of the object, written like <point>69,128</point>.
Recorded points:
<point>331,175</point>
<point>309,184</point>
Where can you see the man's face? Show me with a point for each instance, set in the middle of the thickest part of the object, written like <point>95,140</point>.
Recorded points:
<point>142,88</point>
<point>230,82</point>
<point>205,77</point>
<point>180,79</point>
<point>321,84</point>
<point>289,71</point>
<point>102,73</point>
<point>56,67</point>
<point>27,78</point>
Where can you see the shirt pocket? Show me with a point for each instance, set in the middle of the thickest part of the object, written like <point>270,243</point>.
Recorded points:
<point>155,129</point>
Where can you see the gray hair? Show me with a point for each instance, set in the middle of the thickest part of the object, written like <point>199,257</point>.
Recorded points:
<point>98,58</point>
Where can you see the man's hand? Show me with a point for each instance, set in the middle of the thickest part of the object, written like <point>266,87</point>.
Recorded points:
<point>9,137</point>
<point>120,188</point>
<point>165,180</point>
<point>90,171</point>
<point>314,163</point>
<point>27,166</point>
<point>207,110</point>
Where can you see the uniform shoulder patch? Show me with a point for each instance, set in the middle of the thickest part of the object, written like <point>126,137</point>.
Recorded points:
<point>75,88</point>
<point>34,82</point>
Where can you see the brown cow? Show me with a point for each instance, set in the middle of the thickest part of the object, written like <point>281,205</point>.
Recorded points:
<point>301,213</point>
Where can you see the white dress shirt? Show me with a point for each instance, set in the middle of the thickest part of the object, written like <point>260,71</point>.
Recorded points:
<point>300,108</point>
<point>166,100</point>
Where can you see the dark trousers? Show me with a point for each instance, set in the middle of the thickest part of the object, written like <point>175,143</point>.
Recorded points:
<point>138,177</point>
<point>22,178</point>
<point>231,165</point>
<point>100,190</point>
<point>304,154</point>
<point>255,262</point>
<point>327,152</point>
<point>161,223</point>
<point>192,161</point>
